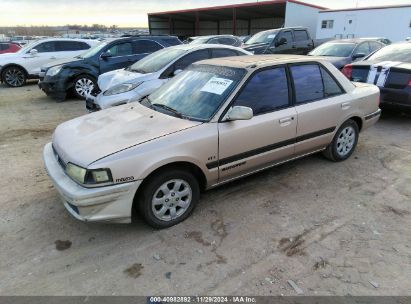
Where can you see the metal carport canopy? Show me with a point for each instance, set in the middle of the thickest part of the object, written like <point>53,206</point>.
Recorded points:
<point>234,17</point>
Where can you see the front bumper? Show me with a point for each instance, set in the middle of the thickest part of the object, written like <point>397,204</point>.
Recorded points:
<point>103,204</point>
<point>53,87</point>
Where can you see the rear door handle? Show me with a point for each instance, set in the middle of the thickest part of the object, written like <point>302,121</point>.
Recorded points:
<point>345,105</point>
<point>52,57</point>
<point>286,120</point>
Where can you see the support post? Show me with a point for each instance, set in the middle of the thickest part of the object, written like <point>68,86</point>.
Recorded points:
<point>234,21</point>
<point>197,26</point>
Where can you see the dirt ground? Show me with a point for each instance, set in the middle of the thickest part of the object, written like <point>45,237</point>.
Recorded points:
<point>332,228</point>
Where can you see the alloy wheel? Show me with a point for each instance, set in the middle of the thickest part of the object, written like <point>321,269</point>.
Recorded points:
<point>346,140</point>
<point>84,86</point>
<point>171,200</point>
<point>14,77</point>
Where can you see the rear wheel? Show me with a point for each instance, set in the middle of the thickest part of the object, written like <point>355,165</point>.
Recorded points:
<point>344,142</point>
<point>14,76</point>
<point>83,85</point>
<point>168,198</point>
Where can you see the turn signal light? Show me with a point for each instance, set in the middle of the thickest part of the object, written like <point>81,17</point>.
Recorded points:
<point>347,71</point>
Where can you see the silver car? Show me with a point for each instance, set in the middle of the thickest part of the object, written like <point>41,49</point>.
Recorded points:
<point>219,120</point>
<point>145,76</point>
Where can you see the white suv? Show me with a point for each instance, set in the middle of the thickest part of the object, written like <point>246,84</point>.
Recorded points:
<point>25,64</point>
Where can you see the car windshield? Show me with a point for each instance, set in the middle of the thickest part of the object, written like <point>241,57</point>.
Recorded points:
<point>156,61</point>
<point>262,37</point>
<point>199,40</point>
<point>334,49</point>
<point>394,52</point>
<point>196,93</point>
<point>93,50</point>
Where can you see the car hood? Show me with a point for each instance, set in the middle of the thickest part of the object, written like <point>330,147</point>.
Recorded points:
<point>60,62</point>
<point>110,79</point>
<point>89,138</point>
<point>338,62</point>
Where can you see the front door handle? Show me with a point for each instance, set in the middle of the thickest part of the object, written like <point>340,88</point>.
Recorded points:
<point>52,57</point>
<point>345,105</point>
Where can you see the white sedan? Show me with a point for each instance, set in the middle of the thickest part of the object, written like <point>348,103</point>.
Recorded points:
<point>145,76</point>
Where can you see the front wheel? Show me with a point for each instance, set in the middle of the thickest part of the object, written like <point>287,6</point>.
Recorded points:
<point>14,76</point>
<point>83,85</point>
<point>344,142</point>
<point>168,198</point>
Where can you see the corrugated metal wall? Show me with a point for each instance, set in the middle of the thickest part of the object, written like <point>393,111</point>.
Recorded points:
<point>159,25</point>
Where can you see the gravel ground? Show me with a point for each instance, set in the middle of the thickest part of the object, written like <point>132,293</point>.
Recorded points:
<point>332,228</point>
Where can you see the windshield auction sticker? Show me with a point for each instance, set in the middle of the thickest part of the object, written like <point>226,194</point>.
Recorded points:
<point>216,85</point>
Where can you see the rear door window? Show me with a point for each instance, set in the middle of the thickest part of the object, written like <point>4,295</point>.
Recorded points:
<point>308,83</point>
<point>121,49</point>
<point>146,46</point>
<point>301,35</point>
<point>227,41</point>
<point>71,46</point>
<point>184,62</point>
<point>374,46</point>
<point>265,92</point>
<point>216,53</point>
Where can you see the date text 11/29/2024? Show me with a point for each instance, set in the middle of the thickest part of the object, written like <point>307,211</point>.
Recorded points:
<point>202,299</point>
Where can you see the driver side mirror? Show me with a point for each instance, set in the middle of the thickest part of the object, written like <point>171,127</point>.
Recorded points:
<point>105,55</point>
<point>176,72</point>
<point>281,41</point>
<point>33,52</point>
<point>239,113</point>
<point>358,55</point>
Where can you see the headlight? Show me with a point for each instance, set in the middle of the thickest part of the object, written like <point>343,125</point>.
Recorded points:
<point>54,70</point>
<point>88,177</point>
<point>121,88</point>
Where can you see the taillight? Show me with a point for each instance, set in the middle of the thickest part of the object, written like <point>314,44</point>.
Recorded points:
<point>409,82</point>
<point>347,71</point>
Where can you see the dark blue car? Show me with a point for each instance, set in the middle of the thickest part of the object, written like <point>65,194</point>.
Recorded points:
<point>79,75</point>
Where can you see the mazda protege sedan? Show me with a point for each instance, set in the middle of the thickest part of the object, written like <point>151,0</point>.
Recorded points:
<point>218,120</point>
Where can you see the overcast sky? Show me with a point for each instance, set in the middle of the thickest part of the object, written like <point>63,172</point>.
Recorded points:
<point>126,13</point>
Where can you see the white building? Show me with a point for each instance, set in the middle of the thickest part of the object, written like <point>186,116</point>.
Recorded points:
<point>392,22</point>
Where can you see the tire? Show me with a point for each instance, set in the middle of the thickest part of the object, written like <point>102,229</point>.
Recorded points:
<point>344,142</point>
<point>14,76</point>
<point>161,208</point>
<point>83,84</point>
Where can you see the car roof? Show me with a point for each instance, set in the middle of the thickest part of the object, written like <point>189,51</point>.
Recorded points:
<point>257,61</point>
<point>190,46</point>
<point>213,36</point>
<point>351,40</point>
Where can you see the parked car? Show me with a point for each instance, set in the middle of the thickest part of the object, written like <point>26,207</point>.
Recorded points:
<point>79,75</point>
<point>145,76</point>
<point>216,39</point>
<point>383,40</point>
<point>26,63</point>
<point>390,69</point>
<point>9,47</point>
<point>289,40</point>
<point>218,120</point>
<point>343,51</point>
